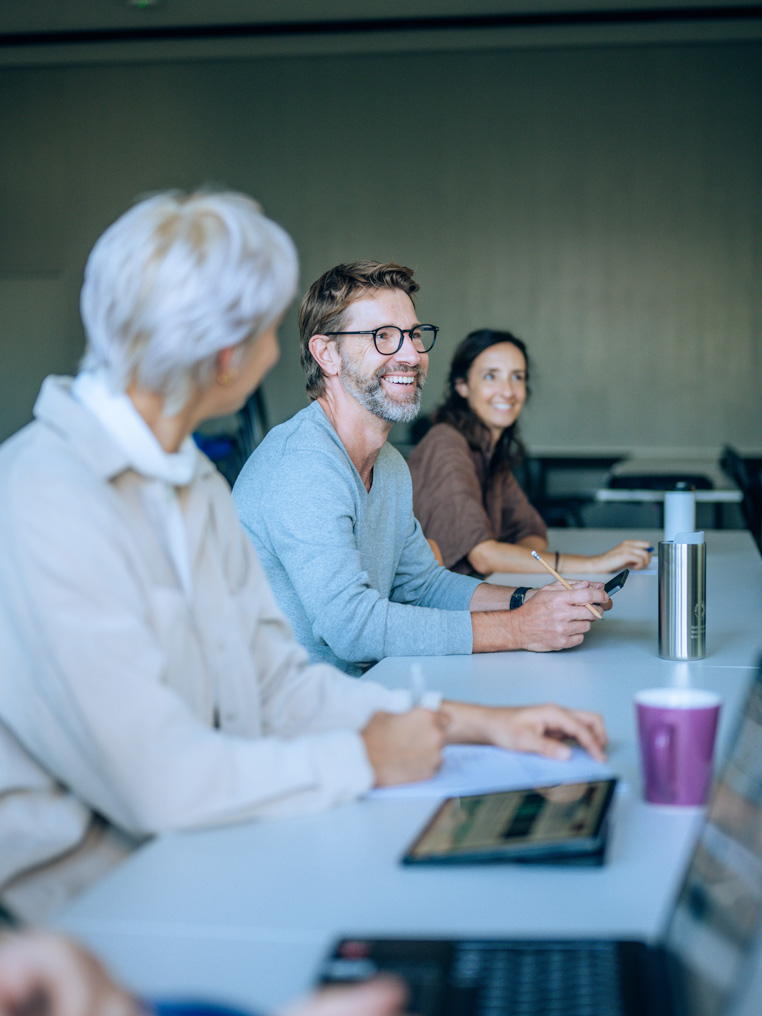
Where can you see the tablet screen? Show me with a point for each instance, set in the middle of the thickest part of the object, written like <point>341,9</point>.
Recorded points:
<point>541,822</point>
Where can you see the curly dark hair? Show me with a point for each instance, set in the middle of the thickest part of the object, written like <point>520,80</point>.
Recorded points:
<point>509,451</point>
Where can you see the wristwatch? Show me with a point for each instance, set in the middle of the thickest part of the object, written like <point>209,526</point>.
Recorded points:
<point>518,597</point>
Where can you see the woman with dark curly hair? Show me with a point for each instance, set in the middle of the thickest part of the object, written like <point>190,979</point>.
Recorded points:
<point>465,494</point>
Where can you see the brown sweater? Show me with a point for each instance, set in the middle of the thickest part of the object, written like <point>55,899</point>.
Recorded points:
<point>457,502</point>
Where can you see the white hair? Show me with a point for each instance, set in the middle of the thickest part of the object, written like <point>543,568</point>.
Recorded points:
<point>176,279</point>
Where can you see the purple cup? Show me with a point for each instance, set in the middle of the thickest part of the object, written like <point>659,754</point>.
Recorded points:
<point>676,729</point>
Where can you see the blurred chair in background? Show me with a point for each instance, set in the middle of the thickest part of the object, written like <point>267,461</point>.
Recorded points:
<point>557,509</point>
<point>230,440</point>
<point>747,478</point>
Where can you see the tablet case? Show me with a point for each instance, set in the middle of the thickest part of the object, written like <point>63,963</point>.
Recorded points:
<point>587,852</point>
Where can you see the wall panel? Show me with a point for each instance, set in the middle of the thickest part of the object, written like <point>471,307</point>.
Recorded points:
<point>603,202</point>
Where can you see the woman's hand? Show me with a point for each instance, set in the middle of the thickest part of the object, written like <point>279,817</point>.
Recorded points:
<point>627,554</point>
<point>405,747</point>
<point>543,729</point>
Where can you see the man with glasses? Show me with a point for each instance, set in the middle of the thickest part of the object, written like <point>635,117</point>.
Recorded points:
<point>327,501</point>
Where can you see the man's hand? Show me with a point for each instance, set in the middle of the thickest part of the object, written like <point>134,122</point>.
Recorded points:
<point>550,618</point>
<point>406,747</point>
<point>603,602</point>
<point>554,617</point>
<point>47,975</point>
<point>543,730</point>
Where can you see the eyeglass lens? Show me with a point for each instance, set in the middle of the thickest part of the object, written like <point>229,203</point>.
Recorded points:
<point>389,338</point>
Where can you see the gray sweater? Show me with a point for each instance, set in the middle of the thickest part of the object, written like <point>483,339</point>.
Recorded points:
<point>351,569</point>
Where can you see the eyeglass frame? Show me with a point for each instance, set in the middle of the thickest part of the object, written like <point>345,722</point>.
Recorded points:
<point>403,332</point>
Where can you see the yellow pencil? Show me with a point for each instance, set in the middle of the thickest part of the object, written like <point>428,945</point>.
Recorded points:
<point>593,610</point>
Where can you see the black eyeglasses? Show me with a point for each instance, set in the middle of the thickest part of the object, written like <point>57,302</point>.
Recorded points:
<point>388,339</point>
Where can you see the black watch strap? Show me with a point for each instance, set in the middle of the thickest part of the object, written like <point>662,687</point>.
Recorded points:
<point>518,597</point>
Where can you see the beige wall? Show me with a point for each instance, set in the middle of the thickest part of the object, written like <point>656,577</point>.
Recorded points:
<point>604,202</point>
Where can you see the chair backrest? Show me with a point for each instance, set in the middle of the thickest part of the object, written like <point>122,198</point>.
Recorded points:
<point>230,446</point>
<point>747,479</point>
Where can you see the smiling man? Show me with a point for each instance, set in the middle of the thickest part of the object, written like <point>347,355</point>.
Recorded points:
<point>327,501</point>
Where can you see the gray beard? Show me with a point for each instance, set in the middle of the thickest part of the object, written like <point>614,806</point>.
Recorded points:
<point>369,393</point>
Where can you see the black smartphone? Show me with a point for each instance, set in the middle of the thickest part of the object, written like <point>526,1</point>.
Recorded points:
<point>615,584</point>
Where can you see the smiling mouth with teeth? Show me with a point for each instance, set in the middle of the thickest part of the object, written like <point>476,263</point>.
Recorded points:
<point>400,380</point>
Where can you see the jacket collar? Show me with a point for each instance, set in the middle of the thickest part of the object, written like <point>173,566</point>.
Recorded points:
<point>56,408</point>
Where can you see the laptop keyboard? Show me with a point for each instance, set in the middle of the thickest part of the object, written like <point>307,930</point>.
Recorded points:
<point>535,979</point>
<point>484,977</point>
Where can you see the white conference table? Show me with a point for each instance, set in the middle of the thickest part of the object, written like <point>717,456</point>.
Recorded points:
<point>734,596</point>
<point>244,914</point>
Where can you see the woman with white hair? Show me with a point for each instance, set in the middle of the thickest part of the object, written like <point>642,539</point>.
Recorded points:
<point>148,681</point>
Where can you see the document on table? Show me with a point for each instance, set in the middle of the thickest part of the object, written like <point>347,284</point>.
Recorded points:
<point>653,566</point>
<point>479,769</point>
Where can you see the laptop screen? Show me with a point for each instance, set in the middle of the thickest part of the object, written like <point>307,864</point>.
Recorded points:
<point>717,915</point>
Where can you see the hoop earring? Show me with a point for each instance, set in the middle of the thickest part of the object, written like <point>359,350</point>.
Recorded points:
<point>227,377</point>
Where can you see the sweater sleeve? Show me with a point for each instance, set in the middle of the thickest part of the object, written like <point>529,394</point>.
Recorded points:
<point>448,499</point>
<point>421,580</point>
<point>308,522</point>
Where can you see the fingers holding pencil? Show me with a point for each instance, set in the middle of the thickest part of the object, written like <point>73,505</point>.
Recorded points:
<point>567,585</point>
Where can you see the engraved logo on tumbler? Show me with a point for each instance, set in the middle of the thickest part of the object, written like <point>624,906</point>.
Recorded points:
<point>698,628</point>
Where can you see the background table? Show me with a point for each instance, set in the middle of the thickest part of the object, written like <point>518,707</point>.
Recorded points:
<point>245,913</point>
<point>722,492</point>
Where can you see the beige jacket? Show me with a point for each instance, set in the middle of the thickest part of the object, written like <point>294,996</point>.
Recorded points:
<point>113,681</point>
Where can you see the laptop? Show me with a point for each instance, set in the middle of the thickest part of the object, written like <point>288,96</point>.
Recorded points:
<point>709,962</point>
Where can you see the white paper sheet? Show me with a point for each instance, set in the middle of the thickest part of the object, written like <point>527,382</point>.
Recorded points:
<point>653,566</point>
<point>478,769</point>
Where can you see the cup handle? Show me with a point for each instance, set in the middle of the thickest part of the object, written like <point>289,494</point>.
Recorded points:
<point>663,754</point>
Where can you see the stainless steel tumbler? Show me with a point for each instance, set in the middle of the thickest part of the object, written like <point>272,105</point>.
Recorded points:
<point>682,601</point>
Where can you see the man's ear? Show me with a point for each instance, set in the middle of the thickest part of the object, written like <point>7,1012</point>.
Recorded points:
<point>325,350</point>
<point>461,387</point>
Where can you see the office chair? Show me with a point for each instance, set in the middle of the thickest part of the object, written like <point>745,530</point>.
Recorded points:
<point>557,510</point>
<point>747,479</point>
<point>235,437</point>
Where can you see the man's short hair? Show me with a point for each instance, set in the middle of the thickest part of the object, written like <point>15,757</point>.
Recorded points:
<point>324,306</point>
